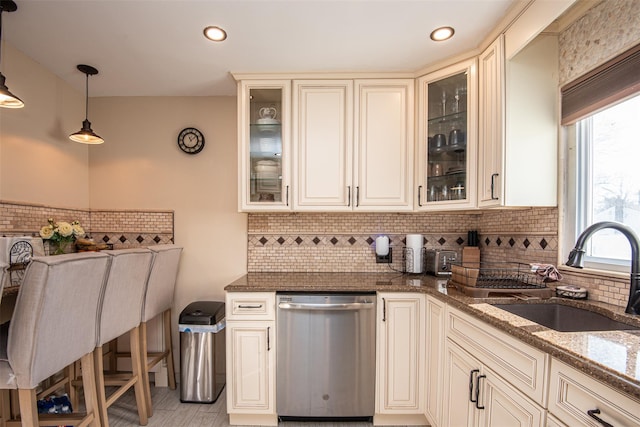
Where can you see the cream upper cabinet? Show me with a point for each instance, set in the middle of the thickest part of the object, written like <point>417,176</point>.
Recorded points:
<point>518,126</point>
<point>490,124</point>
<point>383,134</point>
<point>447,141</point>
<point>400,358</point>
<point>263,145</point>
<point>323,148</point>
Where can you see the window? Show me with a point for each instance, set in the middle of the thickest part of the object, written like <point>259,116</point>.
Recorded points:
<point>601,115</point>
<point>608,179</point>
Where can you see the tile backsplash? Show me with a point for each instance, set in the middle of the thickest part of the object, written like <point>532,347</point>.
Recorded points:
<point>122,228</point>
<point>341,242</point>
<point>344,242</point>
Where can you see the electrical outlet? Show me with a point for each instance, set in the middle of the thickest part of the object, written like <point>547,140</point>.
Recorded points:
<point>384,259</point>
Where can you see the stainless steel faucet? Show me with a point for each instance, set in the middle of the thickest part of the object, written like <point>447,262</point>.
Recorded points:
<point>577,254</point>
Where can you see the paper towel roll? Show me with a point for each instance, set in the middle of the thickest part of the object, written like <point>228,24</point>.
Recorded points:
<point>414,255</point>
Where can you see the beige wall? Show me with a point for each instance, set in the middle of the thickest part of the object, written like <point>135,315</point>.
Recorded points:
<point>38,163</point>
<point>141,167</point>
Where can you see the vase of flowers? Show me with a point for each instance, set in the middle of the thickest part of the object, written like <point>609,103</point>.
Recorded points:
<point>60,234</point>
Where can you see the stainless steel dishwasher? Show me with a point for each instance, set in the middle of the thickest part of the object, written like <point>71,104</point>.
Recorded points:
<point>326,356</point>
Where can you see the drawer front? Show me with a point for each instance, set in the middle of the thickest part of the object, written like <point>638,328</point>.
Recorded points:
<point>572,394</point>
<point>251,306</point>
<point>520,364</point>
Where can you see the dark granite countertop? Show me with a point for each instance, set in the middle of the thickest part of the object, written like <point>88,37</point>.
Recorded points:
<point>612,357</point>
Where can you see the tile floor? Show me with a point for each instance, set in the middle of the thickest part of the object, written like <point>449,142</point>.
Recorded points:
<point>168,411</point>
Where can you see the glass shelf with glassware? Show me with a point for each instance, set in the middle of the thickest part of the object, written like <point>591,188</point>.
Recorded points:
<point>444,167</point>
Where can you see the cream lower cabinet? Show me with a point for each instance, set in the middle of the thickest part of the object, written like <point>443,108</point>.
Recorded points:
<point>476,396</point>
<point>579,400</point>
<point>400,359</point>
<point>490,378</point>
<point>435,338</point>
<point>251,359</point>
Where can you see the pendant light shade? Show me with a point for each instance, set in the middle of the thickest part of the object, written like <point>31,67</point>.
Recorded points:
<point>86,135</point>
<point>7,99</point>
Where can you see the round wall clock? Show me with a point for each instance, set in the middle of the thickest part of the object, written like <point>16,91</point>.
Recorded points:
<point>191,140</point>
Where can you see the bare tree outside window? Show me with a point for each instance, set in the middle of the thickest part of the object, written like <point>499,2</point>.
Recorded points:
<point>613,172</point>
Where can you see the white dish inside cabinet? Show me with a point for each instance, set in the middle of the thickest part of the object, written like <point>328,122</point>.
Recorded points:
<point>263,144</point>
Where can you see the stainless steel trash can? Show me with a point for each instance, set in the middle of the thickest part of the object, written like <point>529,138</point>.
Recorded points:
<point>202,351</point>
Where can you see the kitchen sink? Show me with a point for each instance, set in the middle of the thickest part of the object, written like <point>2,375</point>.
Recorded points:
<point>564,318</point>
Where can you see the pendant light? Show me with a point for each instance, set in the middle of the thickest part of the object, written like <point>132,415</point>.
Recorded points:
<point>7,99</point>
<point>86,135</point>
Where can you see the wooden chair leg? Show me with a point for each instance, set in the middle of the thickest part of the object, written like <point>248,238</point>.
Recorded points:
<point>15,406</point>
<point>134,337</point>
<point>72,373</point>
<point>145,368</point>
<point>28,407</point>
<point>168,343</point>
<point>101,394</point>
<point>89,387</point>
<point>5,407</point>
<point>113,355</point>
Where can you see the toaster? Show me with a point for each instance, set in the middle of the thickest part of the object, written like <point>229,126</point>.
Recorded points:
<point>438,262</point>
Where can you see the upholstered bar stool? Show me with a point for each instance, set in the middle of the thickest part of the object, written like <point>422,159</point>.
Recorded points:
<point>121,307</point>
<point>53,325</point>
<point>158,301</point>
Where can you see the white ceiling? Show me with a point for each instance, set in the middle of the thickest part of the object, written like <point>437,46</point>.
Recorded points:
<point>156,47</point>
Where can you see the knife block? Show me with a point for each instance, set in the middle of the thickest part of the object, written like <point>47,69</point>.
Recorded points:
<point>471,257</point>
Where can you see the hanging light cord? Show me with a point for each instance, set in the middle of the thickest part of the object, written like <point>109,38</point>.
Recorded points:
<point>1,10</point>
<point>86,99</point>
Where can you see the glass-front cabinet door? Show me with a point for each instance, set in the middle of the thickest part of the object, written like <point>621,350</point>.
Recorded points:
<point>263,131</point>
<point>447,145</point>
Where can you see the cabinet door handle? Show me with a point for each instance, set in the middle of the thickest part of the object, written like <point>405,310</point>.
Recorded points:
<point>348,195</point>
<point>357,196</point>
<point>493,177</point>
<point>250,306</point>
<point>419,191</point>
<point>287,198</point>
<point>268,338</point>
<point>384,310</point>
<point>593,414</point>
<point>478,392</point>
<point>471,375</point>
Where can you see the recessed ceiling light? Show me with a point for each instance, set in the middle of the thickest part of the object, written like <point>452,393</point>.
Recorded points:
<point>215,34</point>
<point>442,33</point>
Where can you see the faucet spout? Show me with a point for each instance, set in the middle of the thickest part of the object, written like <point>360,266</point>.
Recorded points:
<point>577,254</point>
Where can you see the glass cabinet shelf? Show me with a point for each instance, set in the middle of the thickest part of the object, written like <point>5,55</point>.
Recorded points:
<point>445,169</point>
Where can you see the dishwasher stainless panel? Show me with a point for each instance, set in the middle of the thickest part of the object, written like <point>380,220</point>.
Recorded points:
<point>326,355</point>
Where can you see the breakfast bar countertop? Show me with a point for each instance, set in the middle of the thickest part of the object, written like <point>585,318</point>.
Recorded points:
<point>612,357</point>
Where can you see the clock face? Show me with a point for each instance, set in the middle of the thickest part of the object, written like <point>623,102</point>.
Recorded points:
<point>191,140</point>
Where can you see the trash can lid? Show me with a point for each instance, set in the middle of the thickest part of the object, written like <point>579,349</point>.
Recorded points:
<point>202,313</point>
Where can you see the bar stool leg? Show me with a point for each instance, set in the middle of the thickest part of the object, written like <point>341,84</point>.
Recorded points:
<point>89,387</point>
<point>28,407</point>
<point>101,394</point>
<point>168,343</point>
<point>134,336</point>
<point>145,368</point>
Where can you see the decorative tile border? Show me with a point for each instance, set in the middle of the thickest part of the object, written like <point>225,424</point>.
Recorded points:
<point>121,228</point>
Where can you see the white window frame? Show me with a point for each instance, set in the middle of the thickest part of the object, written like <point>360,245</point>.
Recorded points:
<point>576,209</point>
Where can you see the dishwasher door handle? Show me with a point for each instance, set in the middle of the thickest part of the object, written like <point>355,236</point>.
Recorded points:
<point>312,306</point>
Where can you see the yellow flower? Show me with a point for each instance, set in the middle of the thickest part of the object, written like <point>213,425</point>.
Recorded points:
<point>65,229</point>
<point>77,229</point>
<point>46,232</point>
